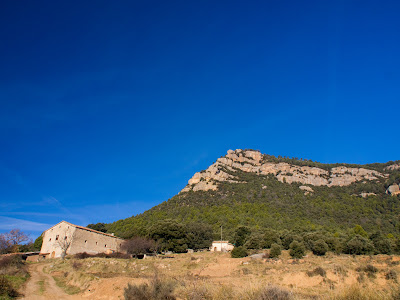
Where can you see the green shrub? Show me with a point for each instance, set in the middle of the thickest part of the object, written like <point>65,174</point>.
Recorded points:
<point>319,247</point>
<point>275,251</point>
<point>239,252</point>
<point>297,249</point>
<point>383,246</point>
<point>6,288</point>
<point>359,245</point>
<point>155,290</point>
<point>289,238</point>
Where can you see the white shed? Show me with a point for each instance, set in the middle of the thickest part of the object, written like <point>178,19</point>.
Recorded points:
<point>223,246</point>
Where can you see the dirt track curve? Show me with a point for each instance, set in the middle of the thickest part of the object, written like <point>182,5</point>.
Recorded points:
<point>51,290</point>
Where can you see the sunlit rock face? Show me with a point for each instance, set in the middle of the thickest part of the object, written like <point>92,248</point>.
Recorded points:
<point>394,189</point>
<point>252,161</point>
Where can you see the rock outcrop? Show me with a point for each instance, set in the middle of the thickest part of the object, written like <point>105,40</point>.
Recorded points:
<point>392,167</point>
<point>393,190</point>
<point>307,190</point>
<point>254,162</point>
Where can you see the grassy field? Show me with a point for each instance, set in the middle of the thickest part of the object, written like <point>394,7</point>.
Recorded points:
<point>207,275</point>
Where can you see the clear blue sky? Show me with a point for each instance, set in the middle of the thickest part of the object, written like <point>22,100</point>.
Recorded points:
<point>108,108</point>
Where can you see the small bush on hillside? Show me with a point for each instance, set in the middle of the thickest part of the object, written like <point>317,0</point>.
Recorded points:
<point>319,247</point>
<point>391,275</point>
<point>317,271</point>
<point>297,249</point>
<point>76,265</point>
<point>275,251</point>
<point>6,289</point>
<point>274,293</point>
<point>155,290</point>
<point>370,270</point>
<point>340,270</point>
<point>239,252</point>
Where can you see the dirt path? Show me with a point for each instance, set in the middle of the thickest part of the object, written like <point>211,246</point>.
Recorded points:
<point>51,290</point>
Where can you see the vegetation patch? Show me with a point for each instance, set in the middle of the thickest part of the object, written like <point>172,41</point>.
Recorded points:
<point>239,252</point>
<point>7,289</point>
<point>62,283</point>
<point>41,287</point>
<point>317,271</point>
<point>156,289</point>
<point>274,293</point>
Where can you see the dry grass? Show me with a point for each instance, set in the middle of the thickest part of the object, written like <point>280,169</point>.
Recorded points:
<point>218,276</point>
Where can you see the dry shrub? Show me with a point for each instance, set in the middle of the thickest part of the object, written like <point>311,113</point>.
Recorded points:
<point>317,271</point>
<point>246,271</point>
<point>6,289</point>
<point>155,290</point>
<point>84,255</point>
<point>76,265</point>
<point>361,278</point>
<point>13,265</point>
<point>370,270</point>
<point>274,293</point>
<point>340,270</point>
<point>199,293</point>
<point>391,275</point>
<point>357,292</point>
<point>11,261</point>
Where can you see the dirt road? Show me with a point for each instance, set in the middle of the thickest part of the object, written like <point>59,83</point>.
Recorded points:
<point>42,286</point>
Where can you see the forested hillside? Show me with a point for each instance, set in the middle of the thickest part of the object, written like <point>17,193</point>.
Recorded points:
<point>267,201</point>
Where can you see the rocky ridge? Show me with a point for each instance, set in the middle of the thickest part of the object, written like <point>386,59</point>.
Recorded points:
<point>255,162</point>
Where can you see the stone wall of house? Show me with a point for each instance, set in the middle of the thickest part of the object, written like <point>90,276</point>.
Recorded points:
<point>92,242</point>
<point>53,239</point>
<point>83,240</point>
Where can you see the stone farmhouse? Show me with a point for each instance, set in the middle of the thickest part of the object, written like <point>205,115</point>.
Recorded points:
<point>66,238</point>
<point>221,246</point>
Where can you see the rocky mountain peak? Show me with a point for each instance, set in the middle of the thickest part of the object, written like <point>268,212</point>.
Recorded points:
<point>253,161</point>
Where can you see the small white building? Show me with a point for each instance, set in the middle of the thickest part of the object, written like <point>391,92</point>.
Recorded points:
<point>221,246</point>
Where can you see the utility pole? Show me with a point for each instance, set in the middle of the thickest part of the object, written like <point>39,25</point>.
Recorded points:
<point>221,238</point>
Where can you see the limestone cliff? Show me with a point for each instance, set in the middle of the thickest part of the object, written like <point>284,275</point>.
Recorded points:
<point>255,162</point>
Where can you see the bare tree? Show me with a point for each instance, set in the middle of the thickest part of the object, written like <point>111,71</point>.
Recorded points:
<point>4,245</point>
<point>139,245</point>
<point>10,241</point>
<point>64,242</point>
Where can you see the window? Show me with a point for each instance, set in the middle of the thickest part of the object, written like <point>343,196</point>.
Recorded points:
<point>57,237</point>
<point>85,241</point>
<point>105,245</point>
<point>65,238</point>
<point>49,239</point>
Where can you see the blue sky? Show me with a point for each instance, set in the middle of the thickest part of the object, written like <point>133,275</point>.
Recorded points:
<point>108,108</point>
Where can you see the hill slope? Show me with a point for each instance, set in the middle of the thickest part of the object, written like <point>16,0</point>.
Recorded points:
<point>248,188</point>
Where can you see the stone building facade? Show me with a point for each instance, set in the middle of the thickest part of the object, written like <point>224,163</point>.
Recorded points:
<point>68,238</point>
